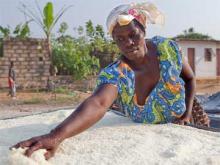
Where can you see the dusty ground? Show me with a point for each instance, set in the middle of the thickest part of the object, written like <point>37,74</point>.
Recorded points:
<point>207,88</point>
<point>28,102</point>
<point>35,102</point>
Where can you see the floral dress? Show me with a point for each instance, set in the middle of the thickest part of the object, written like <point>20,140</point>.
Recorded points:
<point>166,101</point>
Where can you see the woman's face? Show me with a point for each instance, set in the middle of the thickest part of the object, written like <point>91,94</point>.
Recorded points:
<point>130,40</point>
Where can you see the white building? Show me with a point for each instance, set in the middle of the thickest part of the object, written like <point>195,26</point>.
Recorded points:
<point>203,56</point>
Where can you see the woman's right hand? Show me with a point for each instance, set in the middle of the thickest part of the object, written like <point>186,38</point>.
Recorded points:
<point>48,141</point>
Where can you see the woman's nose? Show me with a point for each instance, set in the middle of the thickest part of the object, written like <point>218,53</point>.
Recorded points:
<point>129,42</point>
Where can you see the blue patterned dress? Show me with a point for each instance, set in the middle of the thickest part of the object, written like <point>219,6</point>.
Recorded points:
<point>166,101</point>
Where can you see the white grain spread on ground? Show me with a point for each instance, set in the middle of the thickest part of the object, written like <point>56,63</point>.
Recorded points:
<point>114,140</point>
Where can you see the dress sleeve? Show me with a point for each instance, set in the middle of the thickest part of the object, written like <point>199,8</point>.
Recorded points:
<point>109,75</point>
<point>178,54</point>
<point>170,58</point>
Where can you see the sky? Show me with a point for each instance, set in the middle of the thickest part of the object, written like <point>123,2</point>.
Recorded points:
<point>203,15</point>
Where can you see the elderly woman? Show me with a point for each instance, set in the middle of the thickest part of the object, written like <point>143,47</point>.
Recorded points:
<point>151,81</point>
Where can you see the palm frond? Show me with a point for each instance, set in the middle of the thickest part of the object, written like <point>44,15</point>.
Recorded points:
<point>39,9</point>
<point>59,15</point>
<point>31,15</point>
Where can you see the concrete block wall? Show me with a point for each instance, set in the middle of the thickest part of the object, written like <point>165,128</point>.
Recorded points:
<point>31,62</point>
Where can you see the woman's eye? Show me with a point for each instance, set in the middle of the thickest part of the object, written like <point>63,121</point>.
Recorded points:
<point>119,39</point>
<point>135,35</point>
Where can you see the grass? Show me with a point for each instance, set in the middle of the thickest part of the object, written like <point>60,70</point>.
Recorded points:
<point>34,100</point>
<point>71,97</point>
<point>63,96</point>
<point>62,90</point>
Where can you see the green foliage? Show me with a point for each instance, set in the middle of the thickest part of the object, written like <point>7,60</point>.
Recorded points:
<point>90,29</point>
<point>80,30</point>
<point>17,29</point>
<point>79,56</point>
<point>100,46</point>
<point>45,18</point>
<point>63,28</point>
<point>191,34</point>
<point>25,31</point>
<point>48,18</point>
<point>20,31</point>
<point>34,100</point>
<point>4,32</point>
<point>191,30</point>
<point>71,56</point>
<point>98,41</point>
<point>62,90</point>
<point>99,31</point>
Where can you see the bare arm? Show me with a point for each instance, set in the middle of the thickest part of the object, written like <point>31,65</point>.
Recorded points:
<point>190,85</point>
<point>87,114</point>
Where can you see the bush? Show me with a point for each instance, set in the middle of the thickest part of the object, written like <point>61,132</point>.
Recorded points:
<point>71,57</point>
<point>80,56</point>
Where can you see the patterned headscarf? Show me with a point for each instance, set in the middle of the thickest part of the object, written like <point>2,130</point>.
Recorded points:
<point>144,13</point>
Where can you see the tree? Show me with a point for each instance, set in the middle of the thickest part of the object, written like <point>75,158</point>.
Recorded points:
<point>191,30</point>
<point>5,32</point>
<point>100,46</point>
<point>72,57</point>
<point>63,28</point>
<point>46,20</point>
<point>90,31</point>
<point>62,33</point>
<point>79,56</point>
<point>20,31</point>
<point>191,34</point>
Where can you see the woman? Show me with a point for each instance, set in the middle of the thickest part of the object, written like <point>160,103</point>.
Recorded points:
<point>148,80</point>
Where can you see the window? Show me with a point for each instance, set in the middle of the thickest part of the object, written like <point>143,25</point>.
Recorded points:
<point>208,54</point>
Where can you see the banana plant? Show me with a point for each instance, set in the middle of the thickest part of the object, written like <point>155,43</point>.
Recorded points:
<point>46,19</point>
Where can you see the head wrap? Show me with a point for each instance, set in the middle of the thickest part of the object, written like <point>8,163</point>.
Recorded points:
<point>144,13</point>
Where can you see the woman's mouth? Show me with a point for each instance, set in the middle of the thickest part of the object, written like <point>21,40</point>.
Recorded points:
<point>132,51</point>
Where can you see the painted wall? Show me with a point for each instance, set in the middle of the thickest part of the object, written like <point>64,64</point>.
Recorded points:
<point>203,69</point>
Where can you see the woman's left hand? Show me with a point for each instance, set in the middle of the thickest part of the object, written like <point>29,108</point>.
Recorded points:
<point>183,120</point>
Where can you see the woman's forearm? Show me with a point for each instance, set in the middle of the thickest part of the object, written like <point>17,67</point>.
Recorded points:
<point>87,114</point>
<point>190,86</point>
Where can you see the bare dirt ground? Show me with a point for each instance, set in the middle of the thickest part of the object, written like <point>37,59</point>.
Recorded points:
<point>28,103</point>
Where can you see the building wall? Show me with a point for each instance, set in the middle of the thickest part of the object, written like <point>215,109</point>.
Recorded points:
<point>31,62</point>
<point>203,69</point>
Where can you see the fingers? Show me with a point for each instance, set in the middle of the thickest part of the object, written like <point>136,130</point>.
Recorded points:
<point>187,122</point>
<point>23,144</point>
<point>181,122</point>
<point>176,121</point>
<point>33,148</point>
<point>49,154</point>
